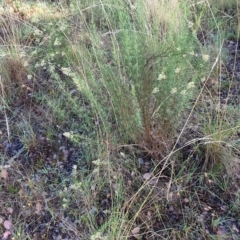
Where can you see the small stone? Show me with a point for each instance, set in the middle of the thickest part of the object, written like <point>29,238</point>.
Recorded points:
<point>140,161</point>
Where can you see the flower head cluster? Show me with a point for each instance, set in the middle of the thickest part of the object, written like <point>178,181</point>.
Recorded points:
<point>183,92</point>
<point>155,90</point>
<point>99,162</point>
<point>25,63</point>
<point>174,90</point>
<point>37,32</point>
<point>76,186</point>
<point>190,85</point>
<point>66,71</point>
<point>63,27</point>
<point>190,24</point>
<point>205,57</point>
<point>161,76</point>
<point>98,236</point>
<point>43,63</point>
<point>177,70</point>
<point>57,42</point>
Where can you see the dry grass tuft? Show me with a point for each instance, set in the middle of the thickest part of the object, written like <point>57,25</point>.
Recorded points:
<point>14,78</point>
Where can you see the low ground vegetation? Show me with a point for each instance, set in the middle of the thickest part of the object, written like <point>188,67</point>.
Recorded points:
<point>119,119</point>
